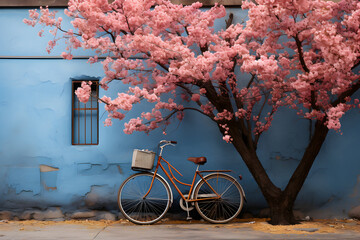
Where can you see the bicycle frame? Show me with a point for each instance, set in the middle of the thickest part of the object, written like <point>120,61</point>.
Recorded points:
<point>171,177</point>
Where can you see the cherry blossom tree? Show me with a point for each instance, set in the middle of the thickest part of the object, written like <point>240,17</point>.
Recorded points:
<point>302,54</point>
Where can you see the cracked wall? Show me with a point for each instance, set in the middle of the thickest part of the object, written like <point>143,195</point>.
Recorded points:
<point>40,168</point>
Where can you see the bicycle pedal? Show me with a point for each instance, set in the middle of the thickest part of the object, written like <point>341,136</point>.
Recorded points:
<point>188,218</point>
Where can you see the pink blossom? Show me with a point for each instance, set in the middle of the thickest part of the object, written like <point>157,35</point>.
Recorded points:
<point>202,90</point>
<point>207,108</point>
<point>301,54</point>
<point>66,56</point>
<point>118,115</point>
<point>108,122</point>
<point>227,138</point>
<point>180,115</point>
<point>334,114</point>
<point>41,32</point>
<point>225,115</point>
<point>195,97</point>
<point>83,92</point>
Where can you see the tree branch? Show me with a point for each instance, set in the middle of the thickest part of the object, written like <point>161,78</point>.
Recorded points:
<point>110,33</point>
<point>188,108</point>
<point>306,69</point>
<point>356,64</point>
<point>348,93</point>
<point>251,80</point>
<point>229,21</point>
<point>298,178</point>
<point>301,54</point>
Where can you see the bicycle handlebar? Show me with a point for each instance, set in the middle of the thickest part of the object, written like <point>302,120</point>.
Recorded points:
<point>166,141</point>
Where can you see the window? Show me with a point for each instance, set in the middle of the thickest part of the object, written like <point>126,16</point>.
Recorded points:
<point>85,117</point>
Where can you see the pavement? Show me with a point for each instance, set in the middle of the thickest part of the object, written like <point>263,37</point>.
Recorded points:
<point>95,230</point>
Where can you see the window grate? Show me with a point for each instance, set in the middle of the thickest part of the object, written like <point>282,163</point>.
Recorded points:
<point>85,117</point>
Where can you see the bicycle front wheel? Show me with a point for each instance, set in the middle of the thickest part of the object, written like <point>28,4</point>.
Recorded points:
<point>139,209</point>
<point>223,209</point>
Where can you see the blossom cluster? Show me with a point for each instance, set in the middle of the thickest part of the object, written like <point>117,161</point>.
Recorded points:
<point>303,54</point>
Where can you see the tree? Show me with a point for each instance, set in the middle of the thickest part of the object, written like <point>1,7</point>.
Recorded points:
<point>302,54</point>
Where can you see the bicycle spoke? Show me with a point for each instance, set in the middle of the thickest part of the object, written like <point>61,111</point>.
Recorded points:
<point>223,209</point>
<point>226,189</point>
<point>138,208</point>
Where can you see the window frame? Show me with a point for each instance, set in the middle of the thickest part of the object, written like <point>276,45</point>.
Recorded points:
<point>74,85</point>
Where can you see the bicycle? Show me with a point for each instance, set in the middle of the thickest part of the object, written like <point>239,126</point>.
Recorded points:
<point>145,197</point>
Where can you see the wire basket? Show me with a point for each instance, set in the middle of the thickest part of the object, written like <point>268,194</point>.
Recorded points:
<point>142,160</point>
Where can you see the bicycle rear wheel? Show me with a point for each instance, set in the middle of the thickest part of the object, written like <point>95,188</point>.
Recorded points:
<point>221,210</point>
<point>142,210</point>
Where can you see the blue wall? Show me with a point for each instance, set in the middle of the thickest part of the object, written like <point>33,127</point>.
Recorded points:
<point>40,168</point>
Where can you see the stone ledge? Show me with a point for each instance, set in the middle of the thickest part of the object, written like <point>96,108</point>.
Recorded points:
<point>56,214</point>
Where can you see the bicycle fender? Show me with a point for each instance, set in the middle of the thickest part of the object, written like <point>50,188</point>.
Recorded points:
<point>171,193</point>
<point>241,188</point>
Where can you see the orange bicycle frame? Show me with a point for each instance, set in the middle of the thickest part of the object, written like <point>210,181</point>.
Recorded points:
<point>171,177</point>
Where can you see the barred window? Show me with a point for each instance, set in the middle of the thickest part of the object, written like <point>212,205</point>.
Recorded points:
<point>85,117</point>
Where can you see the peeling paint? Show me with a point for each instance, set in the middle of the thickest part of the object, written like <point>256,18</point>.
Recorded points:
<point>48,188</point>
<point>24,179</point>
<point>46,168</point>
<point>98,169</point>
<point>120,169</point>
<point>89,169</point>
<point>280,157</point>
<point>49,176</point>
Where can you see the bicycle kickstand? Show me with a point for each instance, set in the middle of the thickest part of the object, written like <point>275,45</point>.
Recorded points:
<point>188,218</point>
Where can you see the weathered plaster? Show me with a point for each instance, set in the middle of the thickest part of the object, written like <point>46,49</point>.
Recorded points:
<point>23,179</point>
<point>97,197</point>
<point>45,168</point>
<point>48,176</point>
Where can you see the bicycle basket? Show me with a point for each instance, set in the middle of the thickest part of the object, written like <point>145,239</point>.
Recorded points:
<point>142,160</point>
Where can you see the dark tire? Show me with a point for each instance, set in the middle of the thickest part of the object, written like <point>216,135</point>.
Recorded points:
<point>141,210</point>
<point>220,210</point>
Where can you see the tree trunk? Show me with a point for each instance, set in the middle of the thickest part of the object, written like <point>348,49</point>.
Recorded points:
<point>281,212</point>
<point>280,202</point>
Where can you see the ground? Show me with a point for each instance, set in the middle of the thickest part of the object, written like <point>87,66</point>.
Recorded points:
<point>166,229</point>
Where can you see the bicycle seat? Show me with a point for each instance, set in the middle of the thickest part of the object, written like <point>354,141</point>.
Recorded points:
<point>198,160</point>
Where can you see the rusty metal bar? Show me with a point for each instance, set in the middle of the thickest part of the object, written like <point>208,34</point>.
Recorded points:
<point>91,125</point>
<point>86,109</point>
<point>214,171</point>
<point>97,118</point>
<point>81,144</point>
<point>85,123</point>
<point>72,113</point>
<point>78,140</point>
